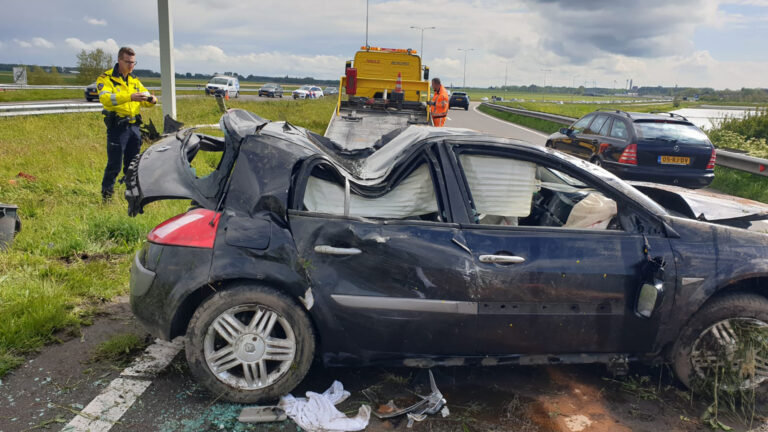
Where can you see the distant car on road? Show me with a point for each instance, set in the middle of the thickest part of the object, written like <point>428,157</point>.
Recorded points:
<point>223,85</point>
<point>459,99</point>
<point>308,92</point>
<point>659,147</point>
<point>271,90</point>
<point>91,93</point>
<point>331,91</point>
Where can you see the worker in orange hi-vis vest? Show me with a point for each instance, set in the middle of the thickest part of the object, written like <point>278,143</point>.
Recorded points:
<point>439,103</point>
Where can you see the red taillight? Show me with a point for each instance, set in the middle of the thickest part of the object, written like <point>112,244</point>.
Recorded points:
<point>195,228</point>
<point>711,164</point>
<point>629,155</point>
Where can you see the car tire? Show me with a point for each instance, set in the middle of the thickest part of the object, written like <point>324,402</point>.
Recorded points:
<point>549,144</point>
<point>232,312</point>
<point>596,161</point>
<point>708,325</point>
<point>466,108</point>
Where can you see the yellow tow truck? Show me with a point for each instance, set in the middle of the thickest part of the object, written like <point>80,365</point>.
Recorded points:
<point>382,90</point>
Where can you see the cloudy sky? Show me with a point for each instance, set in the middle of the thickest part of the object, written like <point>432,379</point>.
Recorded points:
<point>713,43</point>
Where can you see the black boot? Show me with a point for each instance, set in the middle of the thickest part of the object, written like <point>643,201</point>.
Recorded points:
<point>106,195</point>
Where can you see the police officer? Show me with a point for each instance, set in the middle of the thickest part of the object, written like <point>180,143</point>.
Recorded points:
<point>121,94</point>
<point>439,103</point>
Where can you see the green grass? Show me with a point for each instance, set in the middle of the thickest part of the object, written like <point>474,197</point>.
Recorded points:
<point>35,95</point>
<point>119,349</point>
<point>530,122</point>
<point>740,183</point>
<point>73,251</point>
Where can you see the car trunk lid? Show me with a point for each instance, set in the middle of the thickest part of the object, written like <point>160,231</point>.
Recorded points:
<point>671,144</point>
<point>164,170</point>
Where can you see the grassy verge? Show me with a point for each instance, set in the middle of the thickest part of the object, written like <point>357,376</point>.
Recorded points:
<point>35,95</point>
<point>73,252</point>
<point>740,183</point>
<point>529,122</point>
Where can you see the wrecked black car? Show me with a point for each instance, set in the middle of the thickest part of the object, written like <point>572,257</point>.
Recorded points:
<point>433,246</point>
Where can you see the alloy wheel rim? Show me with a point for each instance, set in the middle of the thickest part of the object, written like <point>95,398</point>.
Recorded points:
<point>723,342</point>
<point>249,347</point>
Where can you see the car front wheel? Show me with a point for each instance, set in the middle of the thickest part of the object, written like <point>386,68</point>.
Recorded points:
<point>250,344</point>
<point>596,160</point>
<point>726,341</point>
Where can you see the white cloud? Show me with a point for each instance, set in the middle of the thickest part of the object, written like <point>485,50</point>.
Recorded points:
<point>36,42</point>
<point>109,45</point>
<point>41,43</point>
<point>95,21</point>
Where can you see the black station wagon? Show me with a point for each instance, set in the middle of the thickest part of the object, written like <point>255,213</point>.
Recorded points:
<point>661,148</point>
<point>433,246</point>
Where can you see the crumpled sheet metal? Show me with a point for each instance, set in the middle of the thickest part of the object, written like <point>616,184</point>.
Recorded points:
<point>318,413</point>
<point>428,405</point>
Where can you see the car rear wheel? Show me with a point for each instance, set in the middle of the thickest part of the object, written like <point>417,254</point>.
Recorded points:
<point>466,108</point>
<point>728,340</point>
<point>596,160</point>
<point>249,344</point>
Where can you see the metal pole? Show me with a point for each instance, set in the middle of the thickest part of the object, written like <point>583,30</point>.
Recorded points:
<point>464,85</point>
<point>421,48</point>
<point>167,73</point>
<point>366,24</point>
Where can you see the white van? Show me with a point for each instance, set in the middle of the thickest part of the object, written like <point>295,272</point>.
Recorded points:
<point>224,85</point>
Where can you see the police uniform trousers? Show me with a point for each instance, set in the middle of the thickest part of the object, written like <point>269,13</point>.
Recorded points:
<point>123,143</point>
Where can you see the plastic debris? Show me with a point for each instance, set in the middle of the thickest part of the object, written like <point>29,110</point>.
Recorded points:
<point>317,412</point>
<point>428,405</point>
<point>261,414</point>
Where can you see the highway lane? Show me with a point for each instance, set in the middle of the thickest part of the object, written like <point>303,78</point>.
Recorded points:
<point>474,119</point>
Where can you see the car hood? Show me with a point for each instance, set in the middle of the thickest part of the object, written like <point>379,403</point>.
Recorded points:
<point>708,206</point>
<point>163,171</point>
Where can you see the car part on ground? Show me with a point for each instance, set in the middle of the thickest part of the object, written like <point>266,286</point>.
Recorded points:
<point>402,251</point>
<point>10,224</point>
<point>428,405</point>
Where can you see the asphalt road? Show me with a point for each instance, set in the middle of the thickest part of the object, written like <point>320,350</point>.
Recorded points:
<point>474,119</point>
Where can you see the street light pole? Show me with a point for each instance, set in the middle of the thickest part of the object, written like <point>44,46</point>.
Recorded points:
<point>464,85</point>
<point>421,48</point>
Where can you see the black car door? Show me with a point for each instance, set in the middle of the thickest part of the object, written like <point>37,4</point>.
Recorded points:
<point>556,272</point>
<point>570,143</point>
<point>385,268</point>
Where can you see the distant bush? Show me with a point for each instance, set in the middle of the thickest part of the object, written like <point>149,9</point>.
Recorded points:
<point>748,134</point>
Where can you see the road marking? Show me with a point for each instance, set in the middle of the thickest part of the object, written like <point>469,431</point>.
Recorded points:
<point>106,409</point>
<point>508,123</point>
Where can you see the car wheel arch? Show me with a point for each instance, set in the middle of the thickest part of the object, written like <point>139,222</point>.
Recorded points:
<point>194,299</point>
<point>679,349</point>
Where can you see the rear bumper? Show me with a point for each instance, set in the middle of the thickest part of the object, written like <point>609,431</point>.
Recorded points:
<point>685,177</point>
<point>162,280</point>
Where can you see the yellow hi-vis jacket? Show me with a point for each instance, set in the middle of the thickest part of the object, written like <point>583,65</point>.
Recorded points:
<point>115,93</point>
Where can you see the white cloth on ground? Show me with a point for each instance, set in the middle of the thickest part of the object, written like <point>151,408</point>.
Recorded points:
<point>317,412</point>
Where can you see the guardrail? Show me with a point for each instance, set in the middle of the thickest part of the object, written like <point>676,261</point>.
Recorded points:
<point>37,109</point>
<point>82,88</point>
<point>725,158</point>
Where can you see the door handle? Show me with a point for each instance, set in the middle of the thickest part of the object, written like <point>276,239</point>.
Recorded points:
<point>330,250</point>
<point>502,259</point>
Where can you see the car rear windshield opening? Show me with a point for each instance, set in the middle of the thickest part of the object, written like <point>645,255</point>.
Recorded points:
<point>681,132</point>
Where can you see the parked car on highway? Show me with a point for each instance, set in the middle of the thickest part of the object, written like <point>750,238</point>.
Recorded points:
<point>223,85</point>
<point>435,246</point>
<point>308,92</point>
<point>459,99</point>
<point>91,93</point>
<point>661,147</point>
<point>328,91</point>
<point>271,90</point>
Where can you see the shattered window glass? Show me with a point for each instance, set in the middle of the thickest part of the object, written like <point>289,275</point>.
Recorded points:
<point>413,198</point>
